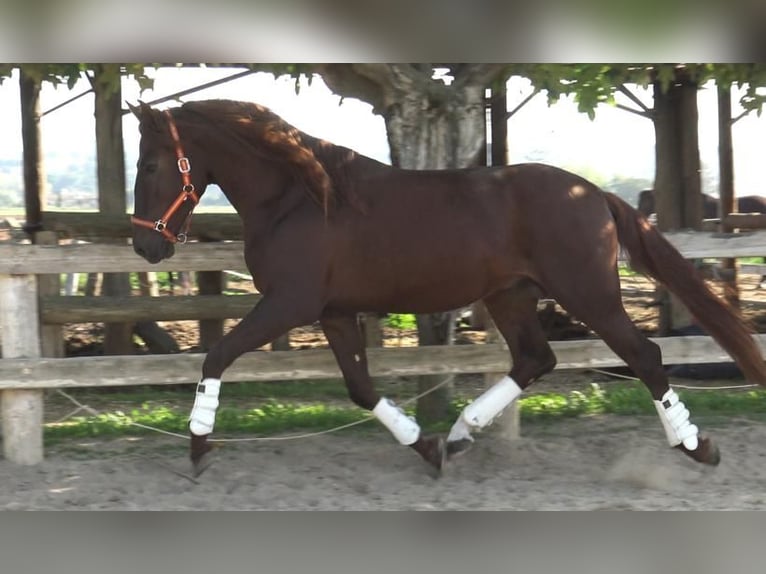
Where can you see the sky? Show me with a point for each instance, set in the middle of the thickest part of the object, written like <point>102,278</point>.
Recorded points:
<point>615,143</point>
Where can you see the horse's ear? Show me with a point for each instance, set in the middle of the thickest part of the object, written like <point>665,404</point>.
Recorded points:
<point>147,116</point>
<point>135,109</point>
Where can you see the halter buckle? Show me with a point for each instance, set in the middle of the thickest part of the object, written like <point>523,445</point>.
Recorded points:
<point>184,165</point>
<point>160,225</point>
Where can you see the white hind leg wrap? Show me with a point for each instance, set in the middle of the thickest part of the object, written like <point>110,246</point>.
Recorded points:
<point>485,408</point>
<point>404,428</point>
<point>675,420</point>
<point>202,417</point>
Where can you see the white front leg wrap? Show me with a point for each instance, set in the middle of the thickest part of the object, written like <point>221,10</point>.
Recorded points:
<point>403,427</point>
<point>675,420</point>
<point>202,417</point>
<point>485,408</point>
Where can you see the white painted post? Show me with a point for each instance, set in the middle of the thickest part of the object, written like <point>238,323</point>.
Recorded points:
<point>71,284</point>
<point>21,410</point>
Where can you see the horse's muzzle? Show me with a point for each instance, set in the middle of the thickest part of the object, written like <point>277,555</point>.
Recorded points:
<point>154,251</point>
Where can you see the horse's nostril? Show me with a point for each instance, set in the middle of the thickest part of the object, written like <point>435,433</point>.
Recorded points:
<point>139,250</point>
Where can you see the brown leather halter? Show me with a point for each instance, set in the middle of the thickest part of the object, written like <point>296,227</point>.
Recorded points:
<point>187,192</point>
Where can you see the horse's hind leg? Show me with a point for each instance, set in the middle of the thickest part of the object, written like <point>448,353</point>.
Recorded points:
<point>599,305</point>
<point>345,339</point>
<point>514,312</point>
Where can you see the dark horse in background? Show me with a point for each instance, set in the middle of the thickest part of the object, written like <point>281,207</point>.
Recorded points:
<point>329,233</point>
<point>745,204</point>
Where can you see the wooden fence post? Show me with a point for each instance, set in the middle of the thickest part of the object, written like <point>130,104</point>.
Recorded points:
<point>210,283</point>
<point>22,410</point>
<point>51,336</point>
<point>508,423</point>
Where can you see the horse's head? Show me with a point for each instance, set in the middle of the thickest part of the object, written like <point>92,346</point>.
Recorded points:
<point>166,189</point>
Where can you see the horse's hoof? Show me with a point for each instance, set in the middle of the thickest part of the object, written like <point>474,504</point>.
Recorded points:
<point>706,452</point>
<point>457,447</point>
<point>433,452</point>
<point>201,464</point>
<point>200,454</point>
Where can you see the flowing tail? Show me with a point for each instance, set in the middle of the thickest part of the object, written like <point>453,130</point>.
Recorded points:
<point>651,253</point>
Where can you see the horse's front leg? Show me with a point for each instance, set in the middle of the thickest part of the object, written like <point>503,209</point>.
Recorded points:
<point>272,317</point>
<point>345,339</point>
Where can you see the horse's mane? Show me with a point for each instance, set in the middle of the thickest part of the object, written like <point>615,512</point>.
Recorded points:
<point>274,139</point>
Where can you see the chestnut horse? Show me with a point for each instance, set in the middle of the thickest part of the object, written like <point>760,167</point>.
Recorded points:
<point>329,233</point>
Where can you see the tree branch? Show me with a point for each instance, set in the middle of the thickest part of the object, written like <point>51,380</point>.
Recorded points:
<point>523,103</point>
<point>740,116</point>
<point>644,114</point>
<point>622,88</point>
<point>371,83</point>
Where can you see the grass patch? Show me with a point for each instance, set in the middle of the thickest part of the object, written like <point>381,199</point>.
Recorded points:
<point>624,271</point>
<point>400,321</point>
<point>282,415</point>
<point>634,399</point>
<point>270,418</point>
<point>315,390</point>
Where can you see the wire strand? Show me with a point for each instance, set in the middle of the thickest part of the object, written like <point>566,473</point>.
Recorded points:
<point>676,385</point>
<point>368,418</point>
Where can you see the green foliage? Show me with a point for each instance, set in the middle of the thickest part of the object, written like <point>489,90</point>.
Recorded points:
<point>594,84</point>
<point>624,270</point>
<point>69,74</point>
<point>400,321</point>
<point>591,84</point>
<point>634,399</point>
<point>163,281</point>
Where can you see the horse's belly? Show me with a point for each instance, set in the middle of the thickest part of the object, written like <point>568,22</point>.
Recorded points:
<point>414,293</point>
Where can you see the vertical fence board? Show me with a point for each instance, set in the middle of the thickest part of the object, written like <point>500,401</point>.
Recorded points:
<point>51,336</point>
<point>22,410</point>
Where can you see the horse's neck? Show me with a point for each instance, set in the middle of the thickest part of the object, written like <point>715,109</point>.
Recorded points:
<point>259,194</point>
<point>245,179</point>
<point>261,190</point>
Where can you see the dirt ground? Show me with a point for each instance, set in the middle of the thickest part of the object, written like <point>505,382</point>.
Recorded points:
<point>591,463</point>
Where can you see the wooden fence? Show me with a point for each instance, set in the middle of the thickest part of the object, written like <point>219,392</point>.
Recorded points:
<point>24,374</point>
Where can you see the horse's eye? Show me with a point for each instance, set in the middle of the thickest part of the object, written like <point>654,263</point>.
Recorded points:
<point>150,167</point>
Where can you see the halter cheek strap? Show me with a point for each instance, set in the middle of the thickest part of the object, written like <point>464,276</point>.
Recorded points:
<point>187,193</point>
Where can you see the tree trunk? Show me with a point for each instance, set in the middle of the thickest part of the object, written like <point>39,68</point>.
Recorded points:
<point>118,337</point>
<point>433,126</point>
<point>34,172</point>
<point>678,189</point>
<point>497,156</point>
<point>678,192</point>
<point>727,202</point>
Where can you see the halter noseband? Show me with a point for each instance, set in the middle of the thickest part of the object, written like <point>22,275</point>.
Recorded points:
<point>187,192</point>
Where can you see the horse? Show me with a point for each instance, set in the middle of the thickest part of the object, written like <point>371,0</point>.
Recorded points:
<point>329,233</point>
<point>745,204</point>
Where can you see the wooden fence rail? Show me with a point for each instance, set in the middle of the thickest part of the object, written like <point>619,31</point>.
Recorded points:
<point>101,258</point>
<point>98,258</point>
<point>56,310</point>
<point>97,226</point>
<point>121,371</point>
<point>23,375</point>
